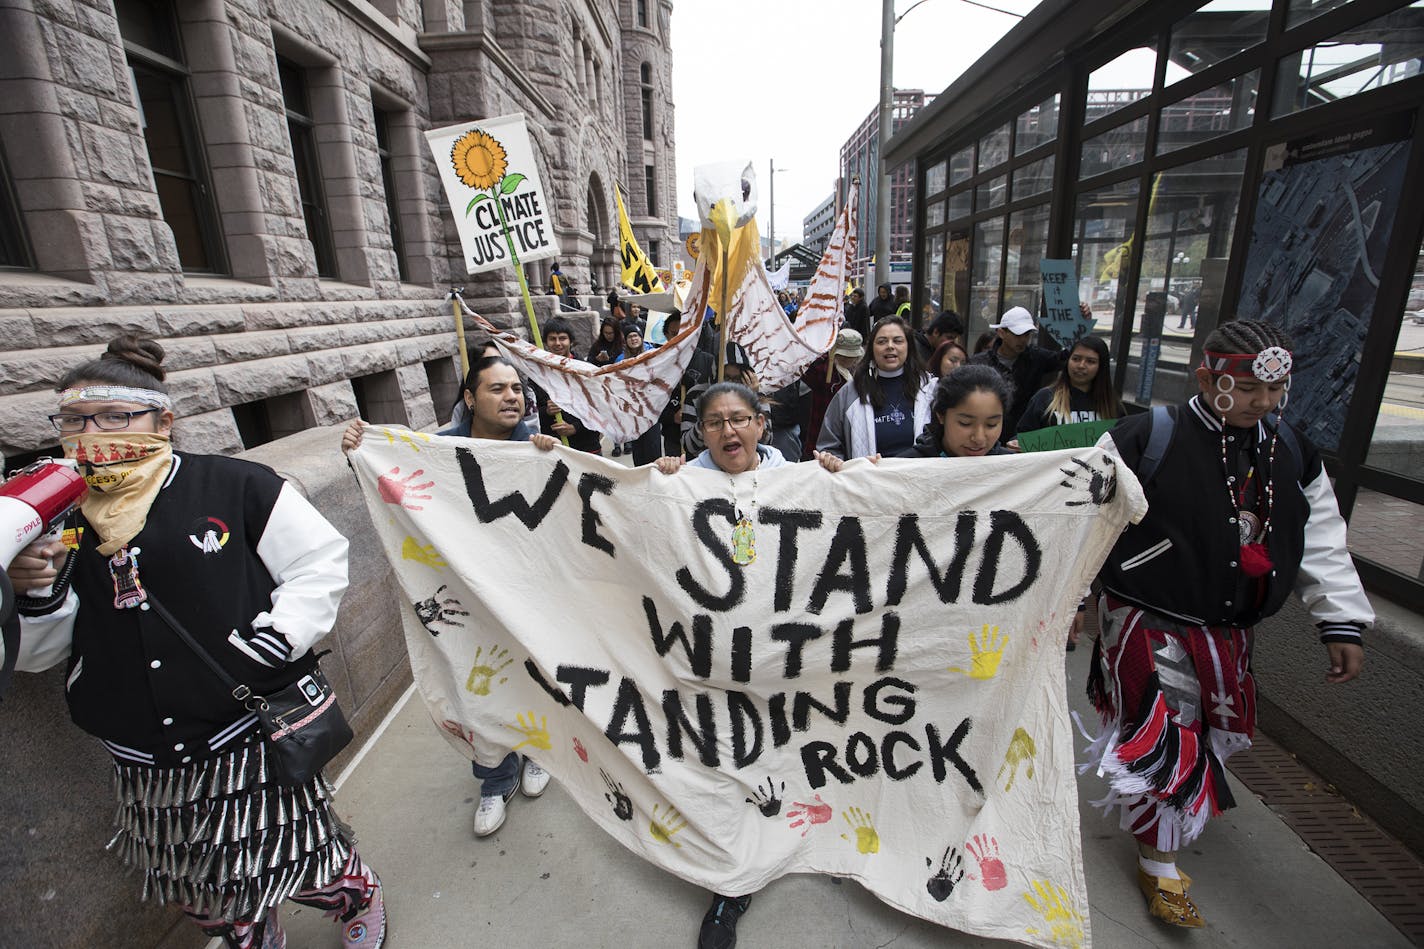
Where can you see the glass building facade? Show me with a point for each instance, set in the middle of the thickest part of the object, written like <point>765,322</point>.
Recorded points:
<point>1201,162</point>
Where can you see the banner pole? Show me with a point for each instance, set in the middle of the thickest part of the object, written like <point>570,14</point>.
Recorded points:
<point>460,330</point>
<point>723,319</point>
<point>524,291</point>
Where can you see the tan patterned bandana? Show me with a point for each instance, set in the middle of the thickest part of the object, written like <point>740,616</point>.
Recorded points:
<point>124,471</point>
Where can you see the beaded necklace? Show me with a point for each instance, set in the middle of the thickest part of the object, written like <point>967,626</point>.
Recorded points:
<point>1255,558</point>
<point>744,534</point>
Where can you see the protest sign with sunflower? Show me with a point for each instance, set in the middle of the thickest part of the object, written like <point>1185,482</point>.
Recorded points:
<point>501,209</point>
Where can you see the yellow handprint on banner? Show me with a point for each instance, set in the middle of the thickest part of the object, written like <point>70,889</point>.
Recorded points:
<point>662,828</point>
<point>1065,924</point>
<point>866,839</point>
<point>404,436</point>
<point>1021,749</point>
<point>412,549</point>
<point>985,653</point>
<point>482,674</point>
<point>534,736</point>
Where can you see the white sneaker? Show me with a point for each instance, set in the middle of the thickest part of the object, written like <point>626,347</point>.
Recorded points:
<point>489,816</point>
<point>535,780</point>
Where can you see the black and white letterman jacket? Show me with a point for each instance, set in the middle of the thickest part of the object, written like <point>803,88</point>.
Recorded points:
<point>247,565</point>
<point>1181,560</point>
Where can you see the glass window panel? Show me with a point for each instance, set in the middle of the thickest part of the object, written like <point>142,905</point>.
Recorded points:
<point>1115,148</point>
<point>13,247</point>
<point>1033,178</point>
<point>150,25</point>
<point>934,214</point>
<point>1037,126</point>
<point>1208,114</point>
<point>935,178</point>
<point>991,193</point>
<point>934,271</point>
<point>1190,221</point>
<point>1025,246</point>
<point>994,149</point>
<point>1376,536</point>
<point>1102,250</point>
<point>961,204</point>
<point>984,281</point>
<point>1215,31</point>
<point>1301,10</point>
<point>1121,82</point>
<point>1384,51</point>
<point>1319,238</point>
<point>956,272</point>
<point>961,165</point>
<point>1398,441</point>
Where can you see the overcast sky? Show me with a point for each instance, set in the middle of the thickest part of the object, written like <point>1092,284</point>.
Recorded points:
<point>792,79</point>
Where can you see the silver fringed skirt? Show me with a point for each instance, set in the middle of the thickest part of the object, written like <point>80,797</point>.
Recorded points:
<point>222,838</point>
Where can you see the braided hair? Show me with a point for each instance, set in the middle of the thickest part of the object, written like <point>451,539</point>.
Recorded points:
<point>1246,336</point>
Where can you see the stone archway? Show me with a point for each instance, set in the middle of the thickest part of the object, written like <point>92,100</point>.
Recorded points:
<point>603,261</point>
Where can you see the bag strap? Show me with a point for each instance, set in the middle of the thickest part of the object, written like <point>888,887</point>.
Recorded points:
<point>1157,441</point>
<point>239,691</point>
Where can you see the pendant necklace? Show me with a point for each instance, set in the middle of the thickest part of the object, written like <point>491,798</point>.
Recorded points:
<point>744,534</point>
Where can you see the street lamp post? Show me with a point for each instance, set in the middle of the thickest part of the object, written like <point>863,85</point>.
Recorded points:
<point>771,209</point>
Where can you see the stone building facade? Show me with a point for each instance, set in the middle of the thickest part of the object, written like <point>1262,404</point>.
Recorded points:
<point>247,180</point>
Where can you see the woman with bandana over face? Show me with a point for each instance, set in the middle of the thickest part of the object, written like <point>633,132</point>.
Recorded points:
<point>255,574</point>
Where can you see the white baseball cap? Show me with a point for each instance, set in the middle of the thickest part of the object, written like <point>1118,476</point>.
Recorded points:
<point>1017,321</point>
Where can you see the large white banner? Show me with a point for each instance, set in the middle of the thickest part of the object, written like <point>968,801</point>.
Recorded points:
<point>879,694</point>
<point>492,184</point>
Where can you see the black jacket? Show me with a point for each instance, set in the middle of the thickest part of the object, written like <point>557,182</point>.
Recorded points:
<point>1026,374</point>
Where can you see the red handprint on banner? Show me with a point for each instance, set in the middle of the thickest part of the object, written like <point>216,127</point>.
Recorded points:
<point>401,491</point>
<point>985,849</point>
<point>809,815</point>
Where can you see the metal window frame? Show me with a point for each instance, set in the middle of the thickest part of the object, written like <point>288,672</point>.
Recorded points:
<point>381,118</point>
<point>12,222</point>
<point>301,130</point>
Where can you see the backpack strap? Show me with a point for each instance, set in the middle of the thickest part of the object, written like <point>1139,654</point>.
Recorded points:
<point>1159,438</point>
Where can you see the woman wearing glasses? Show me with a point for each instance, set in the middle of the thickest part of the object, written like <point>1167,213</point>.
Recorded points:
<point>886,403</point>
<point>255,574</point>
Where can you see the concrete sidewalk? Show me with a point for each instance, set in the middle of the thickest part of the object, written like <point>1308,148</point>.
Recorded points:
<point>552,878</point>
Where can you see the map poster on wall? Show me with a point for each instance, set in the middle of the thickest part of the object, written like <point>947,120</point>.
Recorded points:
<point>1324,213</point>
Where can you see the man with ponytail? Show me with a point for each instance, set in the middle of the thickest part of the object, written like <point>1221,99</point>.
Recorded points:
<point>1241,513</point>
<point>254,573</point>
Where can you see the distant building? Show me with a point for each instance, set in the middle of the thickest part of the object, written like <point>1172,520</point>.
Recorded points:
<point>817,225</point>
<point>859,156</point>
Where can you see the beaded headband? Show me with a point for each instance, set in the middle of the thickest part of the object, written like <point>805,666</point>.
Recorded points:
<point>152,397</point>
<point>1271,364</point>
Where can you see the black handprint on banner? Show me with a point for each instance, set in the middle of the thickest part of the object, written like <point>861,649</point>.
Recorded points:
<point>768,799</point>
<point>1100,484</point>
<point>951,871</point>
<point>435,610</point>
<point>622,804</point>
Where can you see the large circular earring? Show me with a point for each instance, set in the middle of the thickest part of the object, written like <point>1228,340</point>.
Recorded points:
<point>1225,378</point>
<point>1230,402</point>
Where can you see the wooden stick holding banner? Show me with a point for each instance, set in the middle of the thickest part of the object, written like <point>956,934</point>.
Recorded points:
<point>456,301</point>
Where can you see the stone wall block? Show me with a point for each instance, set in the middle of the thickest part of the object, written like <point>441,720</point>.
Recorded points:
<point>415,391</point>
<point>313,338</point>
<point>326,367</point>
<point>194,391</point>
<point>241,347</point>
<point>77,105</point>
<point>74,326</point>
<point>86,62</point>
<point>126,287</point>
<point>24,419</point>
<point>188,352</point>
<point>131,243</point>
<point>260,379</point>
<point>111,155</point>
<point>333,403</point>
<point>17,331</point>
<point>368,359</point>
<point>212,433</point>
<point>195,320</point>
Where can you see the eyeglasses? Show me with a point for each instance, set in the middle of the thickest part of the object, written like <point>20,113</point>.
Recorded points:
<point>68,423</point>
<point>738,422</point>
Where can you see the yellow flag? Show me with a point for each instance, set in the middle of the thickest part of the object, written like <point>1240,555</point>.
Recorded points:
<point>638,272</point>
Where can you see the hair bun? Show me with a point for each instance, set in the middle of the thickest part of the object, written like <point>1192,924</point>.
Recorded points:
<point>138,351</point>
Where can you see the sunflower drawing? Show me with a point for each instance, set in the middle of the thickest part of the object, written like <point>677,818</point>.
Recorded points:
<point>479,160</point>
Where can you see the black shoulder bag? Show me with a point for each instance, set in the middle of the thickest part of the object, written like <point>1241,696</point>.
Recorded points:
<point>302,723</point>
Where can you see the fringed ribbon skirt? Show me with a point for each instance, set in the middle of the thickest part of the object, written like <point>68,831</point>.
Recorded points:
<point>222,838</point>
<point>1176,702</point>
